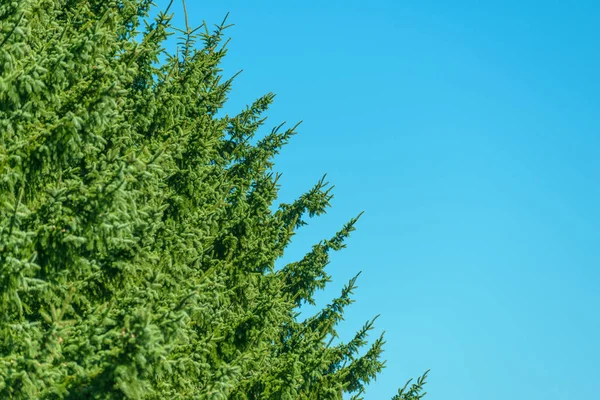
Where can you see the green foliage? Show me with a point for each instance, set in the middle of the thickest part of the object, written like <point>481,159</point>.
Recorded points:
<point>137,237</point>
<point>414,392</point>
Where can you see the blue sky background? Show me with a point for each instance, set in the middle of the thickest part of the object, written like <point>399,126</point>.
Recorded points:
<point>469,134</point>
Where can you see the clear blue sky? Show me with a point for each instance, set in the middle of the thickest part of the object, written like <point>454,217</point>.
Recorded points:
<point>469,133</point>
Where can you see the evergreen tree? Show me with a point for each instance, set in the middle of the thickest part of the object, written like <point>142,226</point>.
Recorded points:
<point>137,232</point>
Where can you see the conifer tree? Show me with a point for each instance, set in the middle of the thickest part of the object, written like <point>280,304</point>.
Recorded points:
<point>137,233</point>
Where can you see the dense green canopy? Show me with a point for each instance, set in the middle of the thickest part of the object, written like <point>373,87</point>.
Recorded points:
<point>138,231</point>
